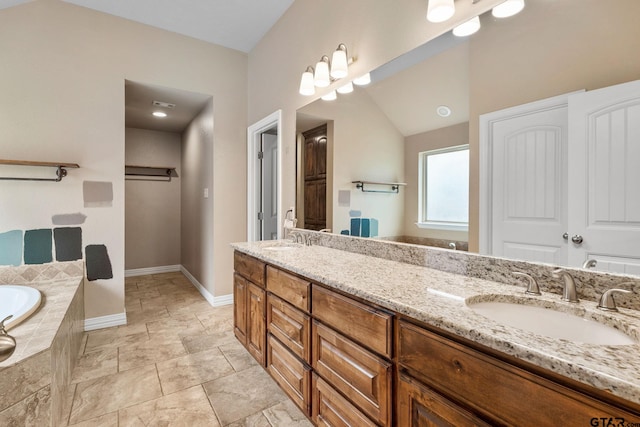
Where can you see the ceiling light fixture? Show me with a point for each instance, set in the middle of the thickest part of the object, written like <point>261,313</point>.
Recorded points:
<point>466,29</point>
<point>321,77</point>
<point>339,62</point>
<point>362,80</point>
<point>508,8</point>
<point>440,10</point>
<point>443,111</point>
<point>331,96</point>
<point>307,87</point>
<point>160,114</point>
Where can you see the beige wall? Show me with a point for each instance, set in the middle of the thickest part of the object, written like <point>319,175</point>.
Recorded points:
<point>375,31</point>
<point>366,146</point>
<point>152,208</point>
<point>555,48</point>
<point>197,211</point>
<point>415,144</point>
<point>62,84</point>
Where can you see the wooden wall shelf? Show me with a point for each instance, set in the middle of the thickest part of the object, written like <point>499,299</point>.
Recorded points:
<point>61,169</point>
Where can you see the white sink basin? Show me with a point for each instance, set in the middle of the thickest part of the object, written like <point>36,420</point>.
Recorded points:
<point>551,323</point>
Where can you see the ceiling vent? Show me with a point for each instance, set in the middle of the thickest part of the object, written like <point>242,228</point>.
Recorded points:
<point>163,104</point>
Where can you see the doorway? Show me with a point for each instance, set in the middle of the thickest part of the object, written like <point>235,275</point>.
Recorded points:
<point>167,213</point>
<point>264,179</point>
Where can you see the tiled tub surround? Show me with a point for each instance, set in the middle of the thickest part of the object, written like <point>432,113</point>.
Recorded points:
<point>34,380</point>
<point>438,298</point>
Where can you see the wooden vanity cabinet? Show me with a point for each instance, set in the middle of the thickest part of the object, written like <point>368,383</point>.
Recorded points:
<point>249,315</point>
<point>485,387</point>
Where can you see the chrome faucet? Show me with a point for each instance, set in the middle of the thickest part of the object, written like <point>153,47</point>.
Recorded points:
<point>296,237</point>
<point>532,288</point>
<point>607,303</point>
<point>569,292</point>
<point>590,263</point>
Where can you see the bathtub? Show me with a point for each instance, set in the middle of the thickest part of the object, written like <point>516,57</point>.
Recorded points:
<point>20,301</point>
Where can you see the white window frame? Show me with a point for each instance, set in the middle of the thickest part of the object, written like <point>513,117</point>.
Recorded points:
<point>422,196</point>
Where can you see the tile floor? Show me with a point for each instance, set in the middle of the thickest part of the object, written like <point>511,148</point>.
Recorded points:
<point>176,363</point>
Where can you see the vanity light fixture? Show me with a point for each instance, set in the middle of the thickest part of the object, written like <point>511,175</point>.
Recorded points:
<point>348,88</point>
<point>362,80</point>
<point>440,10</point>
<point>339,62</point>
<point>159,114</point>
<point>508,8</point>
<point>467,28</point>
<point>331,96</point>
<point>321,77</point>
<point>307,87</point>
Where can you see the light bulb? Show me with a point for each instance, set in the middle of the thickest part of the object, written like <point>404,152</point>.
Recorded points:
<point>440,10</point>
<point>362,80</point>
<point>339,67</point>
<point>306,83</point>
<point>508,8</point>
<point>321,76</point>
<point>160,114</point>
<point>467,28</point>
<point>331,96</point>
<point>348,88</point>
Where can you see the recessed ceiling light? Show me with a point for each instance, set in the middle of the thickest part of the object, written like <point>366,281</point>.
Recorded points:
<point>159,114</point>
<point>443,111</point>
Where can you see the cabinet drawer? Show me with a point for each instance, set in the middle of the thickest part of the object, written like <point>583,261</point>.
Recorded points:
<point>358,373</point>
<point>480,381</point>
<point>291,326</point>
<point>369,326</point>
<point>293,376</point>
<point>330,409</point>
<point>420,406</point>
<point>249,267</point>
<point>290,288</point>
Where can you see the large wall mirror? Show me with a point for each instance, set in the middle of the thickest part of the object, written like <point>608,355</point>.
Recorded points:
<point>381,132</point>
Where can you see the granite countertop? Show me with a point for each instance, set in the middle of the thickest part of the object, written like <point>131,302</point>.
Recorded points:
<point>439,298</point>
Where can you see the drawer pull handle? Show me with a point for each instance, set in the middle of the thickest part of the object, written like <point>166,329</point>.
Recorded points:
<point>457,365</point>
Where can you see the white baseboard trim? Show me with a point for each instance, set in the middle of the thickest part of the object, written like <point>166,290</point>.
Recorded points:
<point>105,321</point>
<point>214,301</point>
<point>152,270</point>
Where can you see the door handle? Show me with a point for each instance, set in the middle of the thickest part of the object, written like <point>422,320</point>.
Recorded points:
<point>577,239</point>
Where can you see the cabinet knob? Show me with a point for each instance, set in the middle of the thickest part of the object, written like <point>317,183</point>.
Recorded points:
<point>577,239</point>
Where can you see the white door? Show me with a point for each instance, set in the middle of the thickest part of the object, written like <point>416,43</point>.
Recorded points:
<point>604,166</point>
<point>527,149</point>
<point>269,170</point>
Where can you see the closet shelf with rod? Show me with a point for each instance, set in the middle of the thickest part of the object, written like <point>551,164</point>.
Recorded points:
<point>149,173</point>
<point>61,169</point>
<point>395,186</point>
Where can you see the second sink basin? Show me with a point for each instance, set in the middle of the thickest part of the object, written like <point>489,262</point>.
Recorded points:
<point>551,323</point>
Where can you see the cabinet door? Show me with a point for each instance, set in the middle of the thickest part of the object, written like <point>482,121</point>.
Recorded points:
<point>240,308</point>
<point>256,337</point>
<point>419,406</point>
